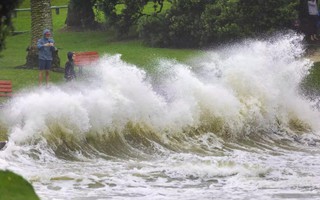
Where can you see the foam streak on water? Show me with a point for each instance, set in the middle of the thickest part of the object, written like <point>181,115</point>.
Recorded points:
<point>229,124</point>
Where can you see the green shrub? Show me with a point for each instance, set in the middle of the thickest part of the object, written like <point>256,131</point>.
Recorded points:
<point>185,24</point>
<point>14,187</point>
<point>153,29</point>
<point>258,17</point>
<point>200,23</point>
<point>221,22</point>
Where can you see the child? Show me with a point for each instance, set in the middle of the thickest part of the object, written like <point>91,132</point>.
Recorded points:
<point>69,73</point>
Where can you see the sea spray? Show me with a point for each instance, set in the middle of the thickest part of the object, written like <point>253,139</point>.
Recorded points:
<point>235,91</point>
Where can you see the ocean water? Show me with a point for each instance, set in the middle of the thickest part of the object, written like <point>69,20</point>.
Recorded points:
<point>231,123</point>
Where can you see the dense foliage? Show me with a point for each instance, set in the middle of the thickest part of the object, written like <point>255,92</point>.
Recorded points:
<point>80,14</point>
<point>6,9</point>
<point>267,16</point>
<point>200,23</point>
<point>124,18</point>
<point>15,187</point>
<point>188,23</point>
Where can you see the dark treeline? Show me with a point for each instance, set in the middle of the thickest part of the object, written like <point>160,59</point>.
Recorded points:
<point>6,9</point>
<point>201,23</point>
<point>196,23</point>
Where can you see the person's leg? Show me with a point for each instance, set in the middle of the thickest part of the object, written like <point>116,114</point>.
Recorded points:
<point>40,77</point>
<point>47,68</point>
<point>41,68</point>
<point>47,77</point>
<point>314,27</point>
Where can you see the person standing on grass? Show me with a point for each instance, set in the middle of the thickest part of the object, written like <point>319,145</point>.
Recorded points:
<point>313,18</point>
<point>308,16</point>
<point>46,48</point>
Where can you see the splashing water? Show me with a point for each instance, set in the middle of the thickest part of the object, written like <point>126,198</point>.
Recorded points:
<point>230,124</point>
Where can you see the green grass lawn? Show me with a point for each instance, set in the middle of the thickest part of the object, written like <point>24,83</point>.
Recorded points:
<point>311,83</point>
<point>133,51</point>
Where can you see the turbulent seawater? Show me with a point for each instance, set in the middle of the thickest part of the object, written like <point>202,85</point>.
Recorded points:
<point>232,123</point>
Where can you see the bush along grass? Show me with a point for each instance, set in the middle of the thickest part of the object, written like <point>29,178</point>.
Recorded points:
<point>14,187</point>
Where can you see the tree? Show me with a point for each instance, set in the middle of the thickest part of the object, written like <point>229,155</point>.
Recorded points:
<point>41,18</point>
<point>130,14</point>
<point>80,14</point>
<point>222,22</point>
<point>267,16</point>
<point>6,8</point>
<point>180,26</point>
<point>202,23</point>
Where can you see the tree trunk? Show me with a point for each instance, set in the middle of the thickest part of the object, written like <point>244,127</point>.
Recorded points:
<point>41,18</point>
<point>80,14</point>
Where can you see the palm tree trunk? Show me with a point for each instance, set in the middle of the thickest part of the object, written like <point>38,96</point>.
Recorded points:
<point>41,18</point>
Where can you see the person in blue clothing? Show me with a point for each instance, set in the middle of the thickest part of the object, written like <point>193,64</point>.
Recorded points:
<point>46,48</point>
<point>69,73</point>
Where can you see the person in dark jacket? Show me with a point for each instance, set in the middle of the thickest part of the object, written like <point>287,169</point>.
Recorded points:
<point>46,47</point>
<point>69,73</point>
<point>309,18</point>
<point>313,17</point>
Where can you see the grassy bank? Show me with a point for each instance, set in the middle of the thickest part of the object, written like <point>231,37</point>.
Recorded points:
<point>14,187</point>
<point>132,51</point>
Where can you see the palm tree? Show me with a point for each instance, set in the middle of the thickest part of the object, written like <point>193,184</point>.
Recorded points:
<point>41,18</point>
